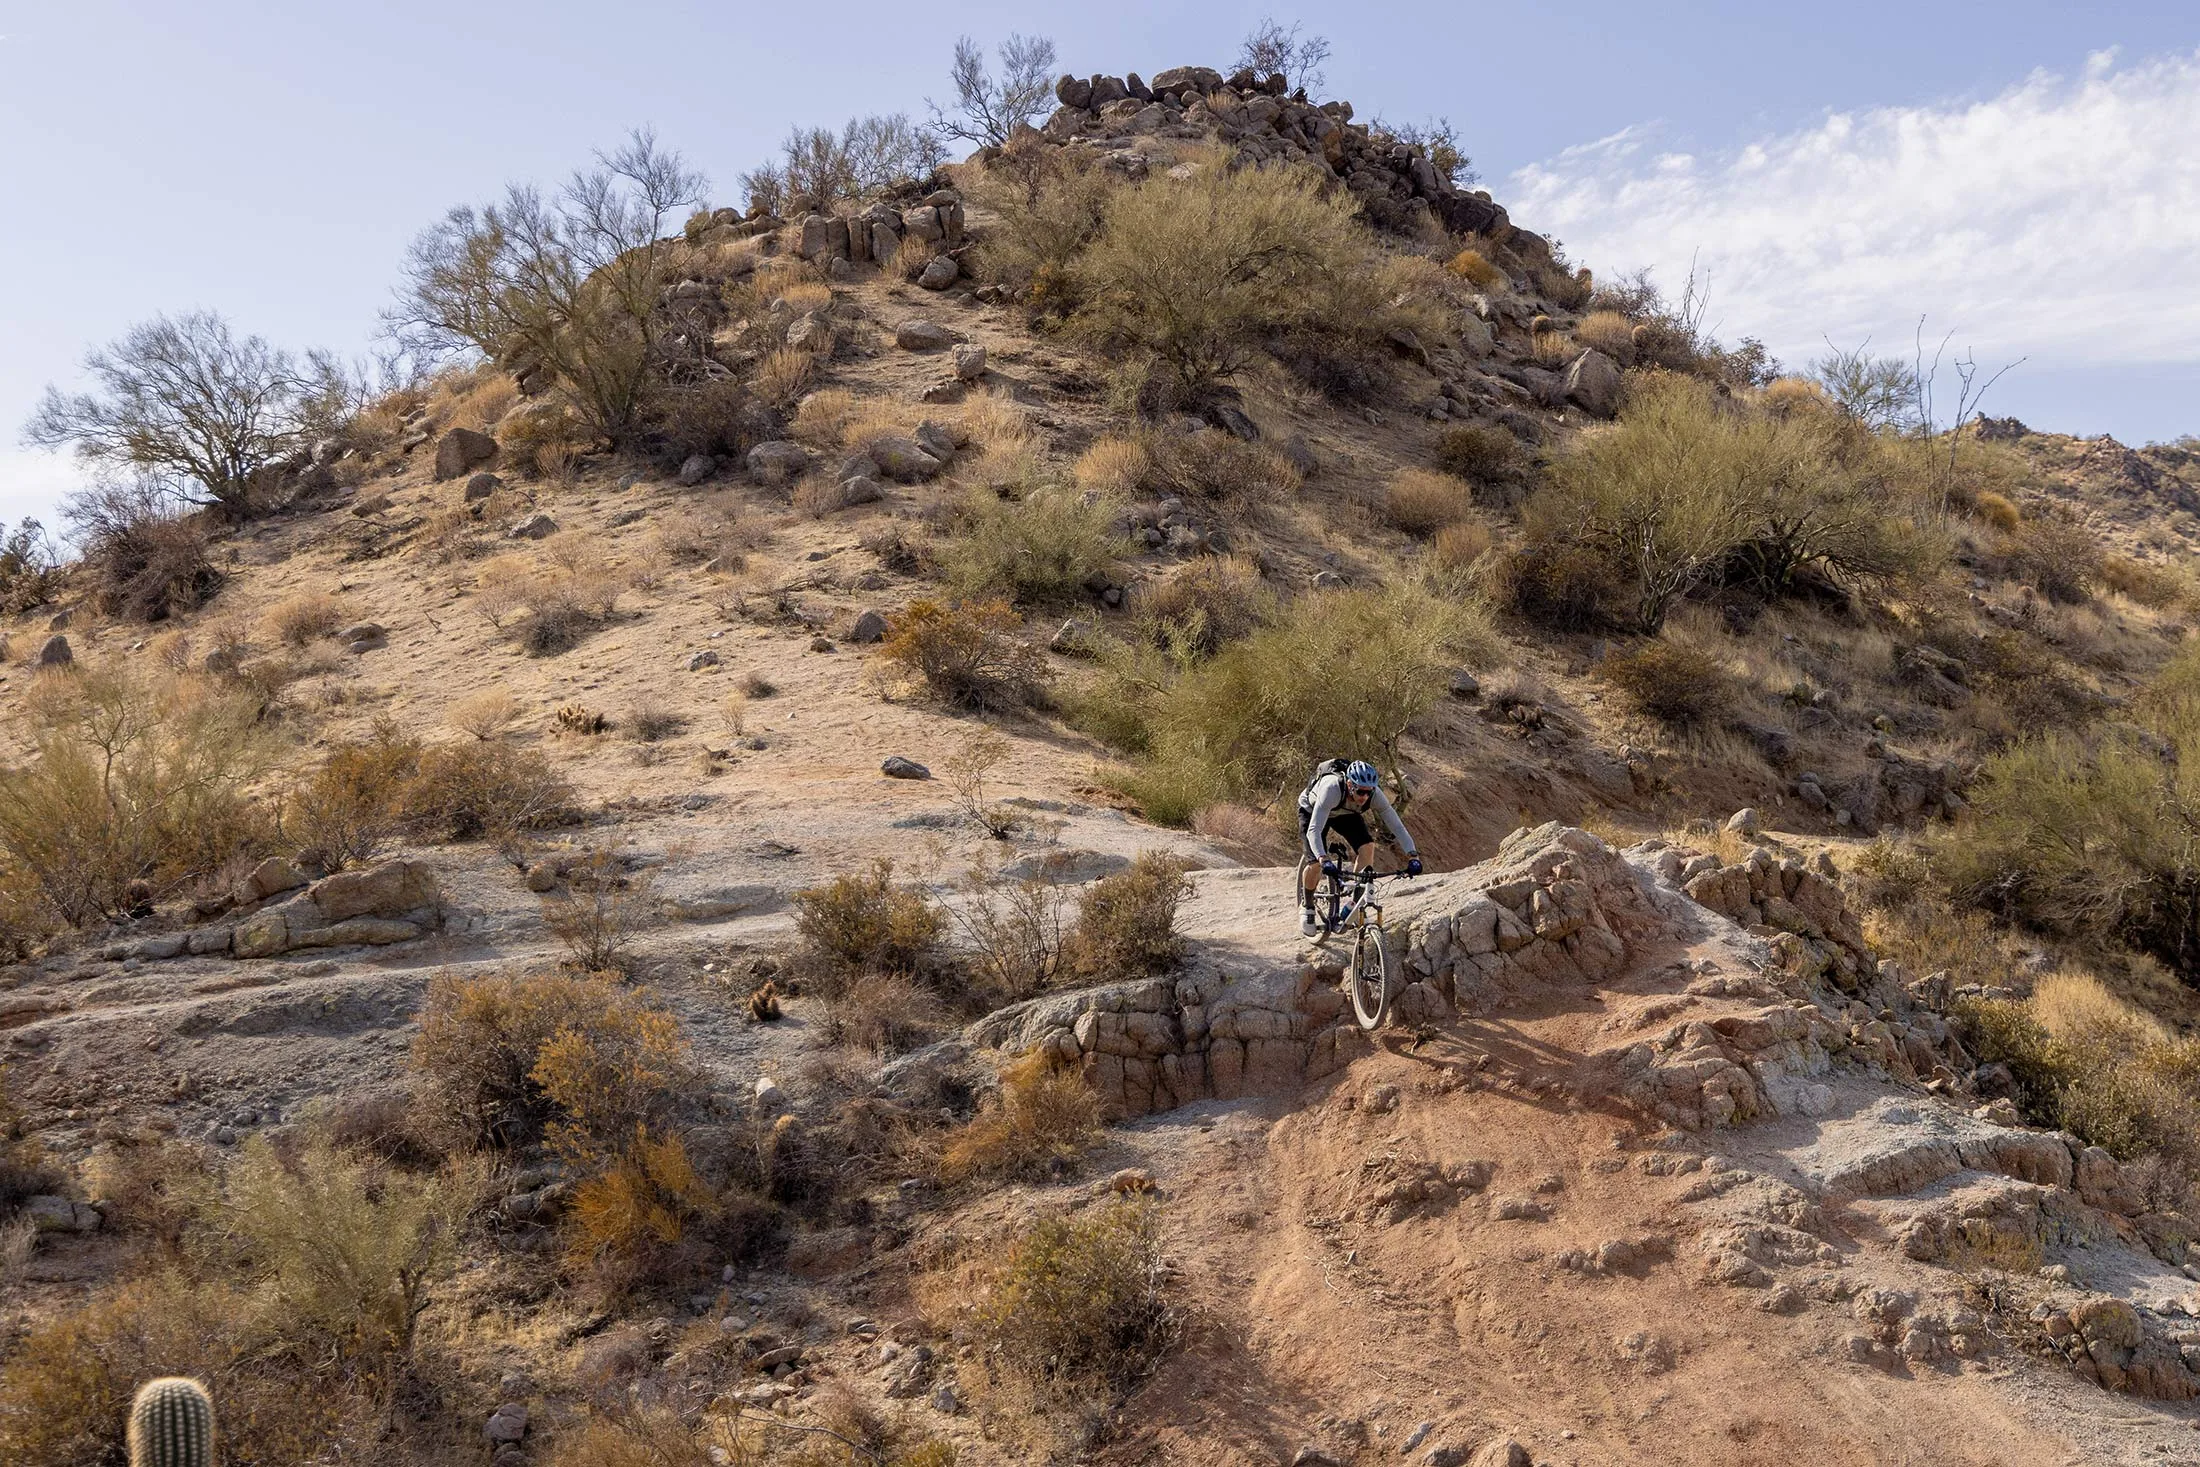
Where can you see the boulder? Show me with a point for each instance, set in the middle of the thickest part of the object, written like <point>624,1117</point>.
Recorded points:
<point>896,767</point>
<point>778,461</point>
<point>54,652</point>
<point>386,889</point>
<point>859,489</point>
<point>970,362</point>
<point>903,458</point>
<point>49,1214</point>
<point>363,636</point>
<point>696,468</point>
<point>462,449</point>
<point>940,274</point>
<point>869,627</point>
<point>481,486</point>
<point>534,527</point>
<point>1073,91</point>
<point>271,877</point>
<point>918,334</point>
<point>1593,384</point>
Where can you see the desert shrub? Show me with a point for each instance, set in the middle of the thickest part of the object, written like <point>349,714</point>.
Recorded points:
<point>2089,834</point>
<point>1421,503</point>
<point>30,568</point>
<point>2151,585</point>
<point>541,439</point>
<point>1219,468</point>
<point>1126,923</point>
<point>136,787</point>
<point>1199,607</point>
<point>1608,332</point>
<point>1040,1122</point>
<point>1569,290</point>
<point>481,1040</point>
<point>596,912</point>
<point>145,561</point>
<point>637,1206</point>
<point>1482,455</point>
<point>2058,558</point>
<point>1688,488</point>
<point>1196,273</point>
<point>1048,204</point>
<point>2090,1063</point>
<point>1471,265</point>
<point>967,655</point>
<point>1113,468</point>
<point>69,1381</point>
<point>348,1248</point>
<point>1040,550</point>
<point>297,620</point>
<point>484,715</point>
<point>1460,548</point>
<point>349,808</point>
<point>468,791</point>
<point>1249,721</point>
<point>1019,934</point>
<point>866,921</point>
<point>883,1014</point>
<point>784,375</point>
<point>911,257</point>
<point>1081,1306</point>
<point>1675,685</point>
<point>1996,510</point>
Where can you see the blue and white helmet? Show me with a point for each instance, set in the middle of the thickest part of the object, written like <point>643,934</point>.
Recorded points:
<point>1361,775</point>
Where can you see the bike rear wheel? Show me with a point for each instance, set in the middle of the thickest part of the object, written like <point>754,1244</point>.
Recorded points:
<point>1372,977</point>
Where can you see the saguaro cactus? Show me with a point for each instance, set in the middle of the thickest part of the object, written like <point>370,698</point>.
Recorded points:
<point>172,1424</point>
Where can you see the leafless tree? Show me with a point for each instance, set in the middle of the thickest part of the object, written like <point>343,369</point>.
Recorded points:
<point>987,110</point>
<point>1439,141</point>
<point>569,283</point>
<point>1272,47</point>
<point>187,403</point>
<point>1970,396</point>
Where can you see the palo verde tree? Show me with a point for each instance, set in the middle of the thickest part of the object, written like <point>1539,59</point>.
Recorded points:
<point>569,283</point>
<point>187,404</point>
<point>989,109</point>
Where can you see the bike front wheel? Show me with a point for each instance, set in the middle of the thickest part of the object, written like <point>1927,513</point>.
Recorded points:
<point>1372,978</point>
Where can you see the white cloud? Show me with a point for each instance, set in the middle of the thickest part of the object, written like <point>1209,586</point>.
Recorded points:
<point>33,482</point>
<point>2060,219</point>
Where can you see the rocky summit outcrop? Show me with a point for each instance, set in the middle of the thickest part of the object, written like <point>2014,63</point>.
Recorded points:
<point>1260,118</point>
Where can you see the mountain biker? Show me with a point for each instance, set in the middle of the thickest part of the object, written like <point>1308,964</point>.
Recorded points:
<point>1338,800</point>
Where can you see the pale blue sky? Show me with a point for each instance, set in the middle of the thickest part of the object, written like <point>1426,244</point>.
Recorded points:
<point>271,161</point>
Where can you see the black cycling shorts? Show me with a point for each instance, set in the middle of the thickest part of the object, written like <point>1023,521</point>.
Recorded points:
<point>1351,826</point>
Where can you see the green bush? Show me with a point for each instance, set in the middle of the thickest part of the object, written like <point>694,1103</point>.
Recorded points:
<point>1482,455</point>
<point>1691,487</point>
<point>967,655</point>
<point>1675,685</point>
<point>1081,1306</point>
<point>136,787</point>
<point>1251,720</point>
<point>1126,923</point>
<point>347,1247</point>
<point>1200,607</point>
<point>867,922</point>
<point>1196,273</point>
<point>1040,550</point>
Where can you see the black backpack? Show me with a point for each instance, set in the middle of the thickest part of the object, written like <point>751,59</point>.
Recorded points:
<point>1321,771</point>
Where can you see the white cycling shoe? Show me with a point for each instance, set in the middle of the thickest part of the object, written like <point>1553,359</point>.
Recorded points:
<point>1308,927</point>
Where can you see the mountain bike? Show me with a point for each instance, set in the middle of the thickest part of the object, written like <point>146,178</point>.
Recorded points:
<point>1349,905</point>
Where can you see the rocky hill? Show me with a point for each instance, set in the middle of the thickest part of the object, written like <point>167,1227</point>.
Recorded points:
<point>1666,1156</point>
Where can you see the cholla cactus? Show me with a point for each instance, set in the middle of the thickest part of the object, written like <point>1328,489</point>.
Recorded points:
<point>172,1424</point>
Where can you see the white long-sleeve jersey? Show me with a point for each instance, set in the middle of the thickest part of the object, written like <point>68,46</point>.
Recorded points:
<point>1321,800</point>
